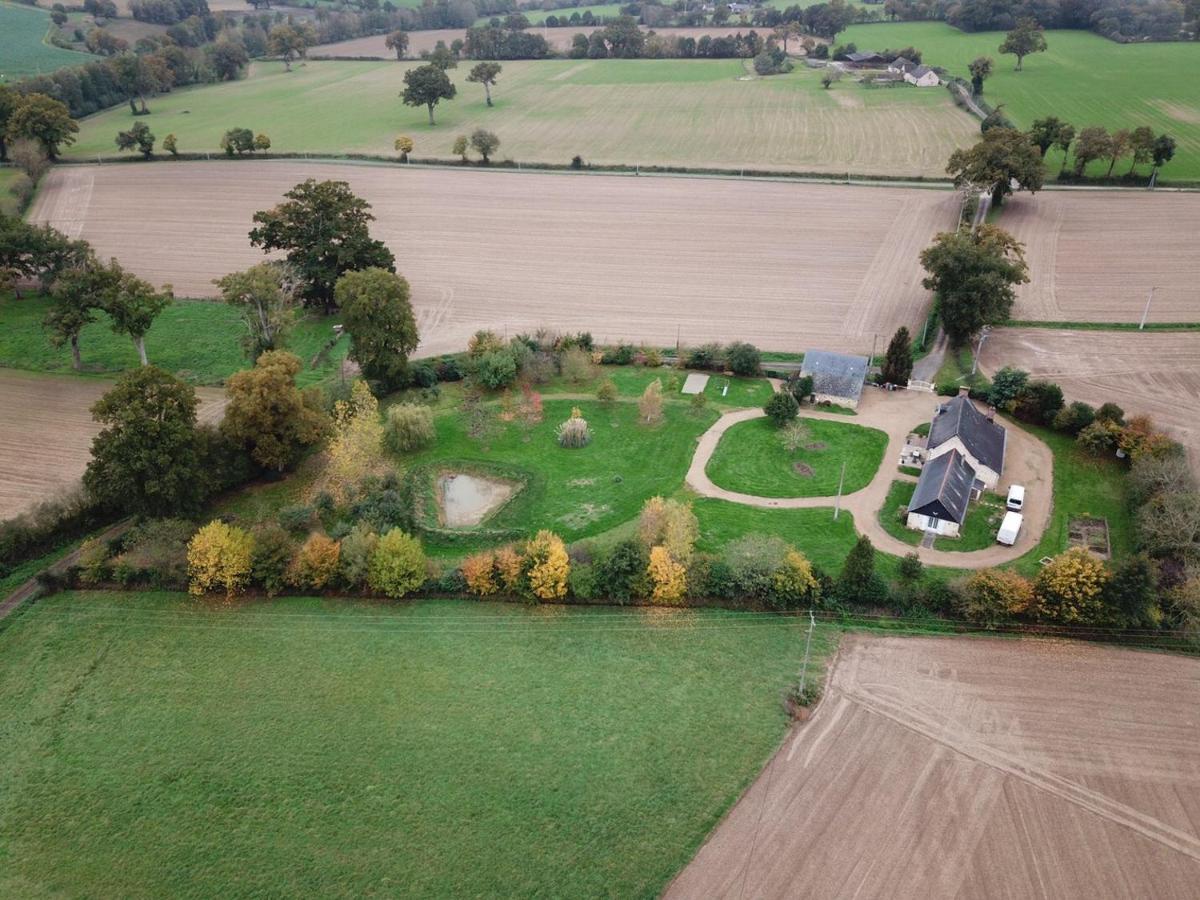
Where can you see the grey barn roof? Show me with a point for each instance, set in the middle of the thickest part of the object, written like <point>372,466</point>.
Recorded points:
<point>984,439</point>
<point>944,488</point>
<point>836,374</point>
<point>864,56</point>
<point>920,71</point>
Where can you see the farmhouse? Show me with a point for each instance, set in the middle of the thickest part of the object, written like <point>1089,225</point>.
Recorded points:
<point>959,426</point>
<point>900,65</point>
<point>863,58</point>
<point>939,504</point>
<point>837,377</point>
<point>922,76</point>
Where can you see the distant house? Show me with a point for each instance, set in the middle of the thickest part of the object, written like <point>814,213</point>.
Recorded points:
<point>900,65</point>
<point>959,426</point>
<point>837,377</point>
<point>737,8</point>
<point>922,76</point>
<point>863,58</point>
<point>944,490</point>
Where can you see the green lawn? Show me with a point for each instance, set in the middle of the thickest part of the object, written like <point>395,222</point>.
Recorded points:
<point>751,459</point>
<point>607,111</point>
<point>583,492</point>
<point>196,339</point>
<point>159,746</point>
<point>1082,78</point>
<point>23,47</point>
<point>8,202</point>
<point>977,532</point>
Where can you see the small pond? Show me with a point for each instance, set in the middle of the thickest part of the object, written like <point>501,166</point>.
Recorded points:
<point>469,499</point>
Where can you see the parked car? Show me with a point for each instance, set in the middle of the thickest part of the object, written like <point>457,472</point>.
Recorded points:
<point>1016,498</point>
<point>1010,528</point>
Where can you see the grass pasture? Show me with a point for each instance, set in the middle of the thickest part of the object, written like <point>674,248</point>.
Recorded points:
<point>195,339</point>
<point>156,745</point>
<point>23,47</point>
<point>665,112</point>
<point>1082,78</point>
<point>751,459</point>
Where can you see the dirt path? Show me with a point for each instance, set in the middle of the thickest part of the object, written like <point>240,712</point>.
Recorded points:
<point>1028,461</point>
<point>966,767</point>
<point>29,589</point>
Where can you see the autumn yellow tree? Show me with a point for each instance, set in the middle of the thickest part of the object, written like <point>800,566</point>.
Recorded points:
<point>794,580</point>
<point>219,557</point>
<point>650,406</point>
<point>548,566</point>
<point>510,567</point>
<point>316,562</point>
<point>398,564</point>
<point>1069,589</point>
<point>668,577</point>
<point>992,596</point>
<point>356,447</point>
<point>671,524</point>
<point>479,571</point>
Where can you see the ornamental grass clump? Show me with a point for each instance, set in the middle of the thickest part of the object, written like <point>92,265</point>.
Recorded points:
<point>574,433</point>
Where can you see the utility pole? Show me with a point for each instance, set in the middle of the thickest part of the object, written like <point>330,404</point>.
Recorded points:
<point>983,333</point>
<point>1146,311</point>
<point>837,504</point>
<point>812,623</point>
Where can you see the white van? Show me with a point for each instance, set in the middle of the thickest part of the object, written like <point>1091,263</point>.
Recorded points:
<point>1016,498</point>
<point>1010,528</point>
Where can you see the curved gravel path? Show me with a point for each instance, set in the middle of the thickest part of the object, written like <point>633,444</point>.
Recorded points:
<point>1028,462</point>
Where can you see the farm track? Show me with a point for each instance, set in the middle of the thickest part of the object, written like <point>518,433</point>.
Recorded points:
<point>1151,372</point>
<point>785,266</point>
<point>940,767</point>
<point>47,430</point>
<point>1094,255</point>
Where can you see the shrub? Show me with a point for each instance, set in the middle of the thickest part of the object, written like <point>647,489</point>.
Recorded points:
<point>448,369</point>
<point>316,563</point>
<point>801,387</point>
<point>495,370</point>
<point>408,427</point>
<point>990,597</point>
<point>1038,402</point>
<point>383,504</point>
<point>355,448</point>
<point>219,556</point>
<point>620,355</point>
<point>859,582</point>
<point>423,375</point>
<point>651,357</point>
<point>156,550</point>
<point>618,574</point>
<point>795,583</point>
<point>743,358</point>
<point>511,570</point>
<point>479,570</point>
<point>574,433</point>
<point>707,356</point>
<point>397,565</point>
<point>484,342</point>
<point>354,561</point>
<point>607,392</point>
<point>1099,438</point>
<point>582,580</point>
<point>93,561</point>
<point>1074,418</point>
<point>1006,385</point>
<point>548,566</point>
<point>273,552</point>
<point>1069,589</point>
<point>781,408</point>
<point>668,578</point>
<point>910,569</point>
<point>650,406</point>
<point>671,524</point>
<point>698,402</point>
<point>1110,412</point>
<point>576,365</point>
<point>753,562</point>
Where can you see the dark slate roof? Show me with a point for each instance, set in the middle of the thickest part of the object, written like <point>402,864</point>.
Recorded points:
<point>864,56</point>
<point>837,374</point>
<point>920,71</point>
<point>984,440</point>
<point>944,488</point>
<point>903,63</point>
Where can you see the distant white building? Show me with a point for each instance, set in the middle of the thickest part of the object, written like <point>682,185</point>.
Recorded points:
<point>922,76</point>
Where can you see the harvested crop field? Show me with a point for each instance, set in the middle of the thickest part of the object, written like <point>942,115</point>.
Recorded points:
<point>783,265</point>
<point>1094,255</point>
<point>667,112</point>
<point>46,434</point>
<point>1149,372</point>
<point>959,767</point>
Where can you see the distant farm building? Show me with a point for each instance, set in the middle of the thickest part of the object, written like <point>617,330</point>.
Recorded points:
<point>863,58</point>
<point>959,425</point>
<point>922,76</point>
<point>901,66</point>
<point>838,378</point>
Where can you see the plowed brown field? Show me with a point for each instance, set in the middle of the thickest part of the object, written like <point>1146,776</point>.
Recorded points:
<point>1151,373</point>
<point>957,767</point>
<point>46,434</point>
<point>785,266</point>
<point>1094,255</point>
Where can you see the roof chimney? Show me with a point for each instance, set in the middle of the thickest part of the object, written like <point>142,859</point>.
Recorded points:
<point>991,414</point>
<point>964,391</point>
